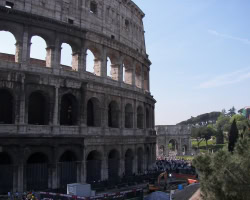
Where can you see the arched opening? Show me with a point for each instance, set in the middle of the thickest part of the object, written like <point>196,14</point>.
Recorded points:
<point>109,67</point>
<point>127,72</point>
<point>162,151</point>
<point>93,63</point>
<point>6,173</point>
<point>93,113</point>
<point>129,158</point>
<point>184,150</point>
<point>139,117</point>
<point>68,112</point>
<point>66,56</point>
<point>37,109</point>
<point>140,160</point>
<point>67,169</point>
<point>173,146</point>
<point>7,47</point>
<point>113,115</point>
<point>6,107</point>
<point>37,172</point>
<point>94,166</point>
<point>113,166</point>
<point>129,116</point>
<point>138,76</point>
<point>147,118</point>
<point>147,158</point>
<point>38,51</point>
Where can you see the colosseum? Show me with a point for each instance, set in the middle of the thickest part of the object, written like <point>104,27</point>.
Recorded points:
<point>62,124</point>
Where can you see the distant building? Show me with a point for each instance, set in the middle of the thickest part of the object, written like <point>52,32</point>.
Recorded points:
<point>245,112</point>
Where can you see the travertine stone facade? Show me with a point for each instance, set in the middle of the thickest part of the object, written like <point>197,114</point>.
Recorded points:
<point>62,117</point>
<point>177,137</point>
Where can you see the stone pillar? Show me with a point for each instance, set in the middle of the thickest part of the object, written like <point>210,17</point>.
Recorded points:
<point>25,47</point>
<point>55,56</point>
<point>133,74</point>
<point>55,115</point>
<point>104,171</point>
<point>122,162</point>
<point>142,77</point>
<point>20,177</point>
<point>116,72</point>
<point>136,161</point>
<point>55,182</point>
<point>103,63</point>
<point>19,51</point>
<point>122,120</point>
<point>135,114</point>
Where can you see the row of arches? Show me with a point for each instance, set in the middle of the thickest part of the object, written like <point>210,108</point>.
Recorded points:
<point>38,111</point>
<point>37,168</point>
<point>173,148</point>
<point>71,57</point>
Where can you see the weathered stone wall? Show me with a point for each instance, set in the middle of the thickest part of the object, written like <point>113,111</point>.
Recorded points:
<point>22,77</point>
<point>108,20</point>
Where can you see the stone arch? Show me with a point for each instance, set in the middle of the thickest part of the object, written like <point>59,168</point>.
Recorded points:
<point>67,168</point>
<point>73,46</point>
<point>68,110</point>
<point>38,108</point>
<point>113,114</point>
<point>38,50</point>
<point>129,162</point>
<point>93,112</point>
<point>140,117</point>
<point>114,65</point>
<point>95,54</point>
<point>140,159</point>
<point>13,28</point>
<point>6,107</point>
<point>173,145</point>
<point>113,165</point>
<point>6,173</point>
<point>129,116</point>
<point>7,48</point>
<point>66,58</point>
<point>37,171</point>
<point>94,166</point>
<point>127,71</point>
<point>147,118</point>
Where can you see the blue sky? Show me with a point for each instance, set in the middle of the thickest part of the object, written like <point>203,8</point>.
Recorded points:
<point>200,50</point>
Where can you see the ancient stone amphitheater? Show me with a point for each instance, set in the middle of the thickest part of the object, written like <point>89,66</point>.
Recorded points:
<point>62,124</point>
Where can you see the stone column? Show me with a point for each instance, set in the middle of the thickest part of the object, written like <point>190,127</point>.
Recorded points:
<point>135,115</point>
<point>20,177</point>
<point>55,112</point>
<point>25,47</point>
<point>122,120</point>
<point>122,162</point>
<point>133,74</point>
<point>142,77</point>
<point>103,63</point>
<point>19,51</point>
<point>136,161</point>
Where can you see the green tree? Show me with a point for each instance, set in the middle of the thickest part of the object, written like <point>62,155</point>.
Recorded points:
<point>232,136</point>
<point>231,111</point>
<point>223,123</point>
<point>219,137</point>
<point>225,176</point>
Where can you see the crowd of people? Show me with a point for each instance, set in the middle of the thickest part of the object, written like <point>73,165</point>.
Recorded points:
<point>173,164</point>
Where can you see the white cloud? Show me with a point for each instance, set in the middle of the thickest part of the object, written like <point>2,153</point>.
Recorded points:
<point>227,79</point>
<point>243,40</point>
